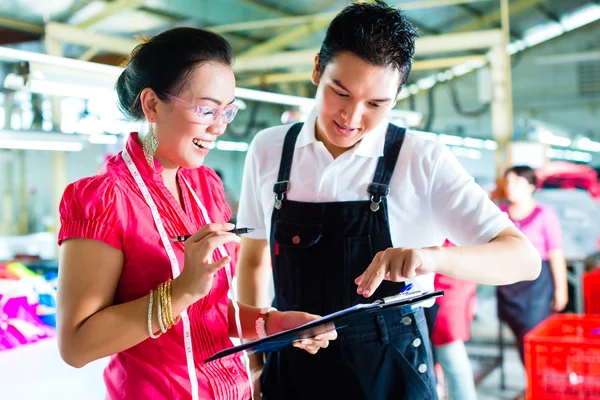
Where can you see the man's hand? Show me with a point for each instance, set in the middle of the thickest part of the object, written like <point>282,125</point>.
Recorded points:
<point>396,265</point>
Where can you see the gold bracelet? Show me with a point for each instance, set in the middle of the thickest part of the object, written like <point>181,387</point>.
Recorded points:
<point>163,304</point>
<point>168,303</point>
<point>169,309</point>
<point>161,323</point>
<point>176,320</point>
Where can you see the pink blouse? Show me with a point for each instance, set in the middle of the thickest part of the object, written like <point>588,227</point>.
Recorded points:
<point>109,207</point>
<point>541,227</point>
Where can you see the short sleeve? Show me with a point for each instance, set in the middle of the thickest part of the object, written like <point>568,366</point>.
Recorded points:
<point>250,209</point>
<point>90,209</point>
<point>461,207</point>
<point>552,230</point>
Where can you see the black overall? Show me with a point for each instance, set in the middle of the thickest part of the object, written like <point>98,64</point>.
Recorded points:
<point>523,305</point>
<point>318,250</point>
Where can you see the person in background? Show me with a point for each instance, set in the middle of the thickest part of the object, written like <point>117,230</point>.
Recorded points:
<point>449,320</point>
<point>160,308</point>
<point>347,207</point>
<point>523,305</point>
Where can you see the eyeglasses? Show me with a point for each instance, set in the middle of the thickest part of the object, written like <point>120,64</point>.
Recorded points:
<point>210,115</point>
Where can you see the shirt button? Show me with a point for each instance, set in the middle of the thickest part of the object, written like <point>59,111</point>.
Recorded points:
<point>416,342</point>
<point>406,321</point>
<point>296,239</point>
<point>422,368</point>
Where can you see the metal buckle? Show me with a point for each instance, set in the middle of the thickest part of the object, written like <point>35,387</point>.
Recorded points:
<point>278,200</point>
<point>280,196</point>
<point>374,204</point>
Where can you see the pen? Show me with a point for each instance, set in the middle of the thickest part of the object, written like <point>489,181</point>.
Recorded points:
<point>237,231</point>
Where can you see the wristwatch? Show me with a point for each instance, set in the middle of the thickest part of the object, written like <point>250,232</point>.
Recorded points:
<point>261,321</point>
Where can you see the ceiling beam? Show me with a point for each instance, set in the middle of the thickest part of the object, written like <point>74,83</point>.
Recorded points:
<point>176,19</point>
<point>111,8</point>
<point>424,46</point>
<point>328,16</point>
<point>479,14</point>
<point>282,40</point>
<point>493,18</point>
<point>84,37</point>
<point>263,7</point>
<point>22,26</point>
<point>305,76</point>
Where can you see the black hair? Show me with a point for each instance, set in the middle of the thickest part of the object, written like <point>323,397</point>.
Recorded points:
<point>524,171</point>
<point>165,62</point>
<point>375,32</point>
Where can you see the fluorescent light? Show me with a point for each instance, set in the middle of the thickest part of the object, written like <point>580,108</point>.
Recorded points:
<point>406,118</point>
<point>35,140</point>
<point>225,145</point>
<point>71,90</point>
<point>451,139</point>
<point>268,97</point>
<point>102,139</point>
<point>542,33</point>
<point>490,145</point>
<point>21,55</point>
<point>461,69</point>
<point>533,36</point>
<point>547,137</point>
<point>571,155</point>
<point>426,83</point>
<point>466,153</point>
<point>580,17</point>
<point>425,135</point>
<point>516,46</point>
<point>413,89</point>
<point>31,145</point>
<point>113,71</point>
<point>474,143</point>
<point>587,144</point>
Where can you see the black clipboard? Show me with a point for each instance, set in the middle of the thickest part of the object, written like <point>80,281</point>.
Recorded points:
<point>336,320</point>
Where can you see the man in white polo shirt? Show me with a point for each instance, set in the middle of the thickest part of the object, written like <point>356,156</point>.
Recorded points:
<point>347,207</point>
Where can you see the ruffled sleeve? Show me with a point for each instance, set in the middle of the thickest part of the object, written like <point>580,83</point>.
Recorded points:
<point>90,209</point>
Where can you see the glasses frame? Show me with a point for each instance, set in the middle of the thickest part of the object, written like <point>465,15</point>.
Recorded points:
<point>218,112</point>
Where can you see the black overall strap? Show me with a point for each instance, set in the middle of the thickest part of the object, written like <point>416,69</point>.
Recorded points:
<point>285,167</point>
<point>379,188</point>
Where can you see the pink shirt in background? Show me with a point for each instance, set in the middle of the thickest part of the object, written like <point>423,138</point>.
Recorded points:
<point>110,208</point>
<point>541,227</point>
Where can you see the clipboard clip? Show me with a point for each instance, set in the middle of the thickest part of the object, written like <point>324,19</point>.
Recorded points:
<point>404,294</point>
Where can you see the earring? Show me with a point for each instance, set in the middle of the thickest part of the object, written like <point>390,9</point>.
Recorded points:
<point>149,144</point>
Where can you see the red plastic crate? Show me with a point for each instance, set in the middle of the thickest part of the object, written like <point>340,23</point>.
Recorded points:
<point>591,291</point>
<point>562,358</point>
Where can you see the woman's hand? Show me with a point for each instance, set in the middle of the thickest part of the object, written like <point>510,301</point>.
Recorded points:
<point>281,321</point>
<point>396,265</point>
<point>199,268</point>
<point>561,298</point>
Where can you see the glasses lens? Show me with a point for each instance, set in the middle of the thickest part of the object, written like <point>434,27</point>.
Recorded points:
<point>206,115</point>
<point>230,114</point>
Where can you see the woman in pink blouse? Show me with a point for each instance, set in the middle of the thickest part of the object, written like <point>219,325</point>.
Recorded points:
<point>523,305</point>
<point>121,278</point>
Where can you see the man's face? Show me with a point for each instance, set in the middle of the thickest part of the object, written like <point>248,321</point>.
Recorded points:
<point>353,97</point>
